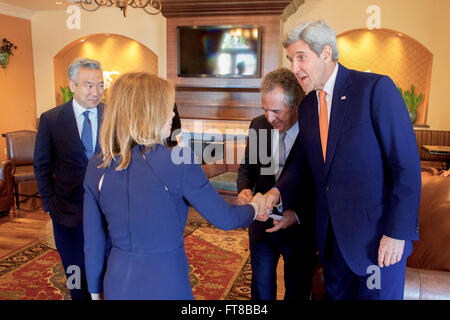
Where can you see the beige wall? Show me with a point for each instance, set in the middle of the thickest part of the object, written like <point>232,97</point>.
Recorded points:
<point>425,21</point>
<point>50,35</point>
<point>439,109</point>
<point>17,98</point>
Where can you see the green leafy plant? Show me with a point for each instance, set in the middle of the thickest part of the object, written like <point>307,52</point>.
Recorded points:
<point>66,93</point>
<point>411,100</point>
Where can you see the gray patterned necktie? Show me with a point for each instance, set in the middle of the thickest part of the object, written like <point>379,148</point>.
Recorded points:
<point>282,154</point>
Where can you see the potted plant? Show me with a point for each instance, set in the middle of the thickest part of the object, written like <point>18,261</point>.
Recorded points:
<point>412,101</point>
<point>6,50</point>
<point>66,93</point>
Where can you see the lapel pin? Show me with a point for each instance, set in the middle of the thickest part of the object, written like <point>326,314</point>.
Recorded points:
<point>343,97</point>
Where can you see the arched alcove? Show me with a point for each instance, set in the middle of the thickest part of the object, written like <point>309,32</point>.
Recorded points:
<point>118,54</point>
<point>390,52</point>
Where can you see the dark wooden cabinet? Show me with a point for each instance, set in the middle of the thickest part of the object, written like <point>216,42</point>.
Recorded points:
<point>205,8</point>
<point>224,103</point>
<point>223,98</point>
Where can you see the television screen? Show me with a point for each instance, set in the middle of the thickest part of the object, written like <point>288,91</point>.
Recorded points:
<point>219,51</point>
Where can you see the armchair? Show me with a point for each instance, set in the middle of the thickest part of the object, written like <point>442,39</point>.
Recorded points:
<point>223,176</point>
<point>428,266</point>
<point>7,169</point>
<point>20,149</point>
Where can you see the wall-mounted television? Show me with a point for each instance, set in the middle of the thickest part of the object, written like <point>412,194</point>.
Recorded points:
<point>219,51</point>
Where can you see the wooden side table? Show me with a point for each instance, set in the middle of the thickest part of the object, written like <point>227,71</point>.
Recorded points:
<point>440,150</point>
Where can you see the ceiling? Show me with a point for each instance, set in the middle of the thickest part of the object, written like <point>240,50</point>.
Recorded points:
<point>178,8</point>
<point>38,5</point>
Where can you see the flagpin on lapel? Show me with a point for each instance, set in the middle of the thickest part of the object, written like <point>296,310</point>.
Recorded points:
<point>343,97</point>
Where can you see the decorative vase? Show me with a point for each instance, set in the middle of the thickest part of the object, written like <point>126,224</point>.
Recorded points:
<point>4,59</point>
<point>413,116</point>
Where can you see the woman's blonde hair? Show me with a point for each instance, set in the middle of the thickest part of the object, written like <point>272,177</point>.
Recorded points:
<point>136,111</point>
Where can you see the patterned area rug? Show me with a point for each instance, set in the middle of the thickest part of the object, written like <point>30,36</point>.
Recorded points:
<point>219,267</point>
<point>34,273</point>
<point>216,259</point>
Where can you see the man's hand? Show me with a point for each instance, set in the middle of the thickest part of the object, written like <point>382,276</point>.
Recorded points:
<point>262,217</point>
<point>258,202</point>
<point>390,251</point>
<point>245,196</point>
<point>272,199</point>
<point>289,219</point>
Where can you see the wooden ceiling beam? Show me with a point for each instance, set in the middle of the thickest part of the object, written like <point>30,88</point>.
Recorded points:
<point>194,8</point>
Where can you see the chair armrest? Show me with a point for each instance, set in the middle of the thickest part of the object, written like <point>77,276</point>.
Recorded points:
<point>225,181</point>
<point>421,284</point>
<point>214,169</point>
<point>430,170</point>
<point>7,169</point>
<point>233,167</point>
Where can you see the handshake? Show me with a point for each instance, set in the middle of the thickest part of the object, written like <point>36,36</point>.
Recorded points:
<point>263,204</point>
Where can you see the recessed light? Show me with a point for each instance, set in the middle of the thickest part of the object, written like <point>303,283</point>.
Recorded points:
<point>58,2</point>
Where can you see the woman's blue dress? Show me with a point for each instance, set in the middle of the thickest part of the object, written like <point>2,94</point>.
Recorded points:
<point>133,226</point>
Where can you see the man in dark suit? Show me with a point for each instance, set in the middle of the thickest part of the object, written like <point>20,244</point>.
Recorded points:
<point>357,141</point>
<point>292,235</point>
<point>67,138</point>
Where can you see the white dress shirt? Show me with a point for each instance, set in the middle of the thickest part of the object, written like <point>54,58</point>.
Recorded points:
<point>328,88</point>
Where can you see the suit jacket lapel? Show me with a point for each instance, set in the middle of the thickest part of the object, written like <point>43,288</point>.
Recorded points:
<point>289,157</point>
<point>70,126</point>
<point>340,104</point>
<point>314,128</point>
<point>267,138</point>
<point>99,123</point>
<point>265,141</point>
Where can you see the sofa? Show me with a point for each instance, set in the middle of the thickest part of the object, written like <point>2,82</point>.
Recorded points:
<point>428,266</point>
<point>7,169</point>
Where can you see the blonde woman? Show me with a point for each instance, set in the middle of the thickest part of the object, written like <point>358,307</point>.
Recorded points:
<point>138,196</point>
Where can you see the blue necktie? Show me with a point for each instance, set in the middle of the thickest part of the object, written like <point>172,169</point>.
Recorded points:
<point>86,135</point>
